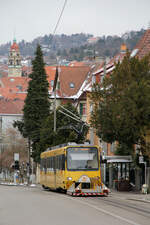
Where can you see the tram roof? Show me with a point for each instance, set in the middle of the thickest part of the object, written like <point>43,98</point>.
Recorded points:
<point>70,144</point>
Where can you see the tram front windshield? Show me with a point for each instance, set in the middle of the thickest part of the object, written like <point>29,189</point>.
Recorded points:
<point>85,158</point>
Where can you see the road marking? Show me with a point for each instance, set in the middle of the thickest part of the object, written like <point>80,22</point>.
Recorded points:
<point>103,211</point>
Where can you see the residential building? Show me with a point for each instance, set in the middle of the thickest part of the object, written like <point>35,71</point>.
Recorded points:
<point>70,85</point>
<point>10,110</point>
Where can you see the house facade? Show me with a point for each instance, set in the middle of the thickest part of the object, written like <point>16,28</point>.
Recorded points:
<point>10,111</point>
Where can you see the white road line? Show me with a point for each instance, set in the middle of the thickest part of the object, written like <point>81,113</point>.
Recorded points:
<point>103,211</point>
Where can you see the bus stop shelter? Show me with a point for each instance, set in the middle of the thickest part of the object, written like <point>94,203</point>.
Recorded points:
<point>118,170</point>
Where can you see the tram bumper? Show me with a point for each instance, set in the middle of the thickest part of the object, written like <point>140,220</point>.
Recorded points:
<point>86,186</point>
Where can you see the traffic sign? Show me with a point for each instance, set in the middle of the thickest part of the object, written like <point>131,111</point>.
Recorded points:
<point>16,156</point>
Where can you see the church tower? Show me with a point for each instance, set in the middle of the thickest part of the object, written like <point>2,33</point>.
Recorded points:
<point>14,61</point>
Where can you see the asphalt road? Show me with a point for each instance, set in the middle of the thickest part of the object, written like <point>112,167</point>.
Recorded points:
<point>34,206</point>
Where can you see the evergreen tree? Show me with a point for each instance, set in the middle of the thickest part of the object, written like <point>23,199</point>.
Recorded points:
<point>37,106</point>
<point>122,104</point>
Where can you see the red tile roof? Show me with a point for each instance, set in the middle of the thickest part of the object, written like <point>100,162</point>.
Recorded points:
<point>76,63</point>
<point>16,87</point>
<point>26,70</point>
<point>99,72</point>
<point>72,76</point>
<point>143,45</point>
<point>11,106</point>
<point>15,82</point>
<point>67,75</point>
<point>14,46</point>
<point>50,71</point>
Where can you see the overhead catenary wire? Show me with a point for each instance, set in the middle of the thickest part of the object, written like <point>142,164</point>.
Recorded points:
<point>70,116</point>
<point>74,117</point>
<point>70,112</point>
<point>58,21</point>
<point>54,88</point>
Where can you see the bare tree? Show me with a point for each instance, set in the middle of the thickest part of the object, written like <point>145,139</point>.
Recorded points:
<point>12,143</point>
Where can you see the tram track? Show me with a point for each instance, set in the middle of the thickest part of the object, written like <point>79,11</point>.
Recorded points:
<point>119,203</point>
<point>124,204</point>
<point>87,201</point>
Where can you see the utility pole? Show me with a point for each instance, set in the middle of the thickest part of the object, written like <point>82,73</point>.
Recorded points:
<point>29,161</point>
<point>1,141</point>
<point>54,91</point>
<point>55,110</point>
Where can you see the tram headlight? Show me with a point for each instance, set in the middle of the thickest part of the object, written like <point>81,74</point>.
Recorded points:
<point>69,178</point>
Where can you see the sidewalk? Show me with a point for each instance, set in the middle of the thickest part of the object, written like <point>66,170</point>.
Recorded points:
<point>17,184</point>
<point>132,195</point>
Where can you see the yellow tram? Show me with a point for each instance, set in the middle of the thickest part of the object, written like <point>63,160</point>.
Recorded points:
<point>73,168</point>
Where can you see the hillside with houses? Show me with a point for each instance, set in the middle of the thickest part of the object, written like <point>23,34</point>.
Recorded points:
<point>65,48</point>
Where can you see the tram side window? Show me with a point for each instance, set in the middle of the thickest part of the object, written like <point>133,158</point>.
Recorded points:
<point>63,162</point>
<point>48,164</point>
<point>52,163</point>
<point>42,165</point>
<point>57,162</point>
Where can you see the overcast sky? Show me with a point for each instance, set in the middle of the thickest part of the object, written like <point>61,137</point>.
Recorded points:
<point>28,19</point>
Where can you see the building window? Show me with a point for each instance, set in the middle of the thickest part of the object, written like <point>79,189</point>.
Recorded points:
<point>82,109</point>
<point>10,62</point>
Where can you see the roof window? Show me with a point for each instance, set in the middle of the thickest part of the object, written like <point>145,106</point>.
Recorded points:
<point>72,85</point>
<point>12,79</point>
